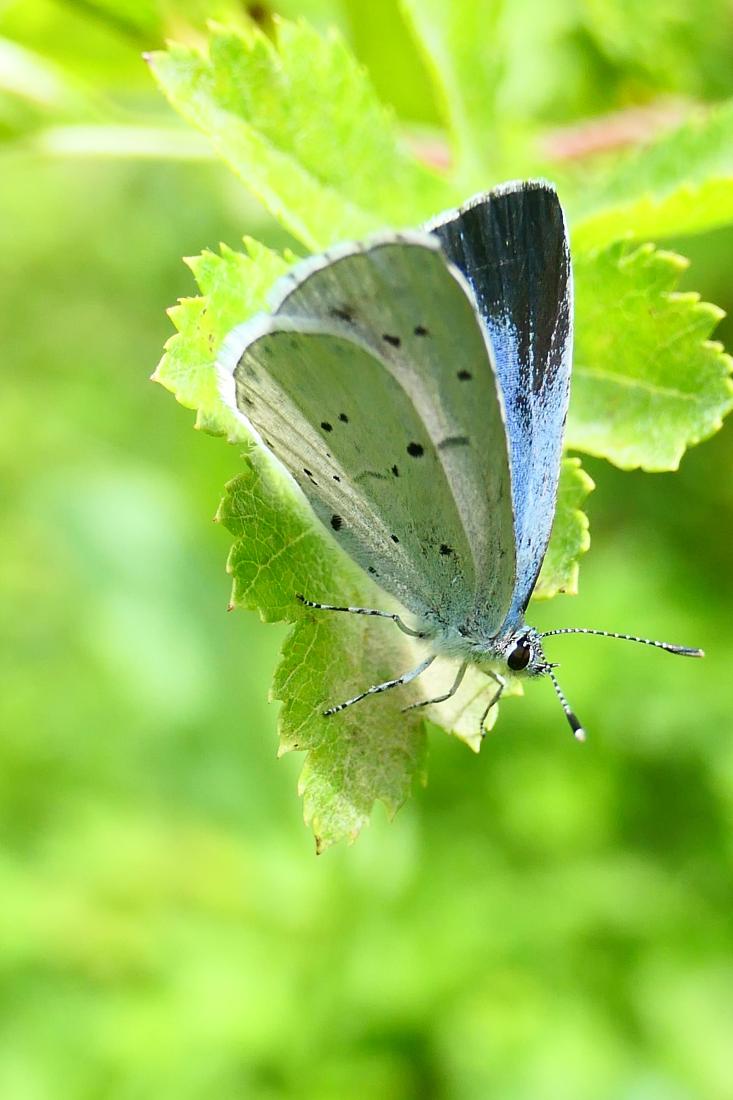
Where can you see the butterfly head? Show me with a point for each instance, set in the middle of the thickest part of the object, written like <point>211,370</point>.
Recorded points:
<point>523,654</point>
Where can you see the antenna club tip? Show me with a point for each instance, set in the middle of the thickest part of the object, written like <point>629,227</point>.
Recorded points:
<point>580,735</point>
<point>578,731</point>
<point>686,651</point>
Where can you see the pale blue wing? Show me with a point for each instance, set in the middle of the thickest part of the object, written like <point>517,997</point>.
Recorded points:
<point>373,384</point>
<point>511,244</point>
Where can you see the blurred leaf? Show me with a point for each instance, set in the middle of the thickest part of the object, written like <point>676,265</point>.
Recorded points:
<point>234,285</point>
<point>322,14</point>
<point>365,753</point>
<point>133,19</point>
<point>647,381</point>
<point>34,91</point>
<point>385,44</point>
<point>682,183</point>
<point>30,76</point>
<point>462,46</point>
<point>663,45</point>
<point>326,174</point>
<point>541,50</point>
<point>570,538</point>
<point>146,142</point>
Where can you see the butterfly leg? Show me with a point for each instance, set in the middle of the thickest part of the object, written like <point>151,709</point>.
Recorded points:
<point>406,678</point>
<point>363,611</point>
<point>498,679</point>
<point>442,698</point>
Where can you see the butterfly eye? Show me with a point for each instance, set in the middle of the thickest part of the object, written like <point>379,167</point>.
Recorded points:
<point>520,656</point>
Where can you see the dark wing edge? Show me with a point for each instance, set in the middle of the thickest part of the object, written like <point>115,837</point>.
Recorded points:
<point>511,244</point>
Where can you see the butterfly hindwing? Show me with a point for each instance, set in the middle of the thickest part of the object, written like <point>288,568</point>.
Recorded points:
<point>373,384</point>
<point>511,245</point>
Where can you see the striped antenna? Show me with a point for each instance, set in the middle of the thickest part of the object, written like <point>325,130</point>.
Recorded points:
<point>681,650</point>
<point>575,725</point>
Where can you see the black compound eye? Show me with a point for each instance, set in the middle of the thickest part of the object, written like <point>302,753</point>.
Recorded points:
<point>520,656</point>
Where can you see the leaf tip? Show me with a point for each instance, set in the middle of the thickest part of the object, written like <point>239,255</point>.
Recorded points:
<point>151,57</point>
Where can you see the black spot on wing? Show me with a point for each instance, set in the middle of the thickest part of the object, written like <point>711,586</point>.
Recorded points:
<point>395,341</point>
<point>446,550</point>
<point>394,538</point>
<point>343,313</point>
<point>326,426</point>
<point>464,375</point>
<point>420,330</point>
<point>336,523</point>
<point>395,471</point>
<point>343,418</point>
<point>415,450</point>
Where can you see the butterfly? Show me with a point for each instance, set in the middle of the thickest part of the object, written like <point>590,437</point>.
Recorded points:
<point>416,388</point>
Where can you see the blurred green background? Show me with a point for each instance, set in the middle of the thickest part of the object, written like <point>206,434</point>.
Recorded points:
<point>543,922</point>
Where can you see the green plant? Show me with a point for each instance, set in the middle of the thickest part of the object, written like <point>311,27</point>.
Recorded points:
<point>296,117</point>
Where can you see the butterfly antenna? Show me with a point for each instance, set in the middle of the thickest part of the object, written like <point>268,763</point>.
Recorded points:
<point>575,726</point>
<point>681,650</point>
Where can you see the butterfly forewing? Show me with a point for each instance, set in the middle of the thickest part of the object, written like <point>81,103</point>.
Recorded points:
<point>373,384</point>
<point>511,245</point>
<point>309,395</point>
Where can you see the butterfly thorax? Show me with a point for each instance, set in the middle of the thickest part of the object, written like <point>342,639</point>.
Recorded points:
<point>517,650</point>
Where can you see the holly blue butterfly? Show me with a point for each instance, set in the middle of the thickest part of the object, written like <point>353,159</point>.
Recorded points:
<point>416,387</point>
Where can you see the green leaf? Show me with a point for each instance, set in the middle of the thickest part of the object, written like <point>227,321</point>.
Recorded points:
<point>647,381</point>
<point>682,183</point>
<point>327,174</point>
<point>461,716</point>
<point>234,286</point>
<point>371,751</point>
<point>570,538</point>
<point>460,43</point>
